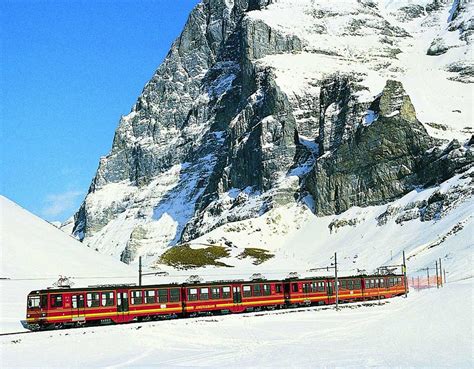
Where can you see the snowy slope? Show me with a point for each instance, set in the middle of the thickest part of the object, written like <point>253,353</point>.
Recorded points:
<point>31,247</point>
<point>34,253</point>
<point>430,329</point>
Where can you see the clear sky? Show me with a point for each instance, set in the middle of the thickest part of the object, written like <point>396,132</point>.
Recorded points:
<point>69,70</point>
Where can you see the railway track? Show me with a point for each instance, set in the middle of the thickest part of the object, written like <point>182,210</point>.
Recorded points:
<point>15,333</point>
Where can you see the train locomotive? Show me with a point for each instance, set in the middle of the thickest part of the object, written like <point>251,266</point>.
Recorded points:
<point>115,304</point>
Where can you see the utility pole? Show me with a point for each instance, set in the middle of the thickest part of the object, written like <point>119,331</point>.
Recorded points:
<point>444,271</point>
<point>437,277</point>
<point>440,273</point>
<point>404,267</point>
<point>335,281</point>
<point>139,270</point>
<point>428,275</point>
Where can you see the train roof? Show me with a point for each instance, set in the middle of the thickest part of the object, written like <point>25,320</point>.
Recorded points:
<point>199,284</point>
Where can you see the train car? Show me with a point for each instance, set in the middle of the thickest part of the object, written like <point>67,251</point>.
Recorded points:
<point>100,305</point>
<point>70,307</point>
<point>305,292</point>
<point>232,296</point>
<point>74,307</point>
<point>375,287</point>
<point>206,298</point>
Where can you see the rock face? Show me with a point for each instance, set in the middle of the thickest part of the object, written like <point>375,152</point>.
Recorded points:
<point>382,161</point>
<point>221,133</point>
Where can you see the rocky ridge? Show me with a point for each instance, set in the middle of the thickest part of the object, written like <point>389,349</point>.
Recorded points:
<point>219,135</point>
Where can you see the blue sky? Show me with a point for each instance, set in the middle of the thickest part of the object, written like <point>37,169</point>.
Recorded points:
<point>69,70</point>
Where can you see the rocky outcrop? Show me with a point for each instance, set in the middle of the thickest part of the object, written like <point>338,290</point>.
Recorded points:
<point>219,135</point>
<point>208,105</point>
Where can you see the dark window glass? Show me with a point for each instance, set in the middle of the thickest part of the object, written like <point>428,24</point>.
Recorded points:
<point>306,288</point>
<point>77,301</point>
<point>257,290</point>
<point>278,288</point>
<point>162,296</point>
<point>44,301</point>
<point>107,299</point>
<point>321,286</point>
<point>34,302</point>
<point>174,295</point>
<point>295,287</point>
<point>267,290</point>
<point>137,297</point>
<point>357,284</point>
<point>93,299</point>
<point>226,292</point>
<point>215,293</point>
<point>56,301</point>
<point>204,295</point>
<point>247,291</point>
<point>150,296</point>
<point>192,294</point>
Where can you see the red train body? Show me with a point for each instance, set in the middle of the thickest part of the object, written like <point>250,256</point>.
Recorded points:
<point>57,308</point>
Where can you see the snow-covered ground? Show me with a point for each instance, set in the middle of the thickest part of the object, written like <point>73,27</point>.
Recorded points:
<point>34,253</point>
<point>430,329</point>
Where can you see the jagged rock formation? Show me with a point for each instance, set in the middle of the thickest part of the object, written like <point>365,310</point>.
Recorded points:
<point>261,103</point>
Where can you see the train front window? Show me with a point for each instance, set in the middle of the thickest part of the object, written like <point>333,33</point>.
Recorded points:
<point>56,301</point>
<point>33,302</point>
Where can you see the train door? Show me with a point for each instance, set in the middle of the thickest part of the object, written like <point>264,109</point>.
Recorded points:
<point>122,305</point>
<point>237,294</point>
<point>330,290</point>
<point>286,292</point>
<point>78,306</point>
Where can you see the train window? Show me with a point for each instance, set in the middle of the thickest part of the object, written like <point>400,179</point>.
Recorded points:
<point>215,293</point>
<point>267,290</point>
<point>56,301</point>
<point>357,284</point>
<point>226,292</point>
<point>34,302</point>
<point>137,297</point>
<point>174,295</point>
<point>150,296</point>
<point>278,288</point>
<point>344,285</point>
<point>247,291</point>
<point>295,287</point>
<point>107,299</point>
<point>192,294</point>
<point>306,288</point>
<point>257,290</point>
<point>204,295</point>
<point>77,301</point>
<point>93,299</point>
<point>162,296</point>
<point>321,286</point>
<point>400,280</point>
<point>382,282</point>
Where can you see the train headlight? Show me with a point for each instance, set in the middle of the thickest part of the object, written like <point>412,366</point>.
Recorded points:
<point>43,314</point>
<point>28,315</point>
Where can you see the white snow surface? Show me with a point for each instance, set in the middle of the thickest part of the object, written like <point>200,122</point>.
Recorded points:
<point>34,253</point>
<point>430,329</point>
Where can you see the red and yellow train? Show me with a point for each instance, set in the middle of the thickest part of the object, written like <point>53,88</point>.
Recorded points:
<point>73,307</point>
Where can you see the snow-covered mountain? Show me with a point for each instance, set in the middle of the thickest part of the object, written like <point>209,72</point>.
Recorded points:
<point>34,253</point>
<point>297,126</point>
<point>32,247</point>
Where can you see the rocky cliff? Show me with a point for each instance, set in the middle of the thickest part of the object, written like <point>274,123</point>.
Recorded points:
<point>261,105</point>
